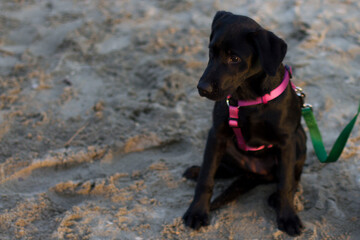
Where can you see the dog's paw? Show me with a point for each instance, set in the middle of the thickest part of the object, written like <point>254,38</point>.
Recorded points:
<point>192,173</point>
<point>292,225</point>
<point>196,218</point>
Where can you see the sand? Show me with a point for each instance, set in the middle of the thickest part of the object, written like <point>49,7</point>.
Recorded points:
<point>100,116</point>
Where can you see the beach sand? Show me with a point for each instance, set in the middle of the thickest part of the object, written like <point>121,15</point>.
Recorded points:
<point>100,116</point>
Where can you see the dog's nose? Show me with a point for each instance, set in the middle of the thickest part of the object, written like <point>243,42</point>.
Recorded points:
<point>204,88</point>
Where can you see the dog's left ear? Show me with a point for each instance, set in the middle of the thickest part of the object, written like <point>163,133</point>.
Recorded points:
<point>270,48</point>
<point>219,15</point>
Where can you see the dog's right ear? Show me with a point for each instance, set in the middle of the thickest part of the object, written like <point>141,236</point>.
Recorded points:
<point>219,15</point>
<point>270,48</point>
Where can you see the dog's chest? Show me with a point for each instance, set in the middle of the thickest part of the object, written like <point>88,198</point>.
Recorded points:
<point>259,128</point>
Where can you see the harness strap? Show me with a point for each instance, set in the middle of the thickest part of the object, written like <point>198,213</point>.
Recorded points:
<point>273,94</point>
<point>234,123</point>
<point>234,111</point>
<point>308,115</point>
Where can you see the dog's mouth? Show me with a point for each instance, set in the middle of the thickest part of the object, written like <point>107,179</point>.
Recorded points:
<point>215,91</point>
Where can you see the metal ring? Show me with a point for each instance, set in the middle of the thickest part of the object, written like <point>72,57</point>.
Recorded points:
<point>306,105</point>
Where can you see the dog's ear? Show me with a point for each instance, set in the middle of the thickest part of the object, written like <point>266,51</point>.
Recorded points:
<point>270,48</point>
<point>218,16</point>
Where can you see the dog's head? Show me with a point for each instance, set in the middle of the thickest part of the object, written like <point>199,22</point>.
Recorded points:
<point>239,48</point>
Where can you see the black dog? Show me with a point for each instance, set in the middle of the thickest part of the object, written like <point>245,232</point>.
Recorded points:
<point>245,61</point>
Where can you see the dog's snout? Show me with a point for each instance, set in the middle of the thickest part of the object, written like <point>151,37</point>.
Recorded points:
<point>204,88</point>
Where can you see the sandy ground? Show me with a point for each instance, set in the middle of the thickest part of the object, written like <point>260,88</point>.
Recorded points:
<point>99,117</point>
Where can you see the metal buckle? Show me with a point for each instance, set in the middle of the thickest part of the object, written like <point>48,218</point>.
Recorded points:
<point>302,95</point>
<point>306,105</point>
<point>228,102</point>
<point>299,92</point>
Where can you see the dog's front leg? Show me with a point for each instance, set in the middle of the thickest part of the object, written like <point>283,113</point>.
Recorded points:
<point>283,199</point>
<point>197,214</point>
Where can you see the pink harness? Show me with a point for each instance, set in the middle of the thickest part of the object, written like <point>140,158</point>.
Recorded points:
<point>234,110</point>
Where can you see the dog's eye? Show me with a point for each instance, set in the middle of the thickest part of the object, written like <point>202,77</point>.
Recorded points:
<point>234,59</point>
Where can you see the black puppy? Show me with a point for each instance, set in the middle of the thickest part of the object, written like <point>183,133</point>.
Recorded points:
<point>245,61</point>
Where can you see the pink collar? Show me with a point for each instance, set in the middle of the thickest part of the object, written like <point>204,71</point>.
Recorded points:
<point>268,97</point>
<point>234,110</point>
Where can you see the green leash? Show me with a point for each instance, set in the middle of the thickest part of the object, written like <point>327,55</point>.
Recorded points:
<point>317,139</point>
<point>315,135</point>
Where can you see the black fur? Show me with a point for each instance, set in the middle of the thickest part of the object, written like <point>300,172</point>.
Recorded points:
<point>245,61</point>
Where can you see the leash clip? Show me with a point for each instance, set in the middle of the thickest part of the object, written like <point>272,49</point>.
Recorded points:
<point>302,95</point>
<point>299,91</point>
<point>306,105</point>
